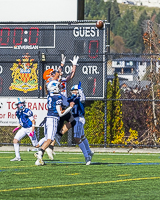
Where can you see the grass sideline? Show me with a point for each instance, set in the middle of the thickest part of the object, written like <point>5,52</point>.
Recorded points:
<point>110,176</point>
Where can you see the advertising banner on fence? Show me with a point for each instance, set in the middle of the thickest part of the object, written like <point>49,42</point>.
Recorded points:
<point>8,109</point>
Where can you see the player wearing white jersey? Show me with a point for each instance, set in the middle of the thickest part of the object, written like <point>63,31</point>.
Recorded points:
<point>27,122</point>
<point>54,103</point>
<point>78,98</point>
<point>62,128</point>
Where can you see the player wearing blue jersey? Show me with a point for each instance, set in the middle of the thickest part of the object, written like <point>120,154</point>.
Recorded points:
<point>27,124</point>
<point>78,98</point>
<point>62,128</point>
<point>55,111</point>
<point>70,122</point>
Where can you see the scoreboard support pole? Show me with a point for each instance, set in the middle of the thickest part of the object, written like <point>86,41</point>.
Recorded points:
<point>80,9</point>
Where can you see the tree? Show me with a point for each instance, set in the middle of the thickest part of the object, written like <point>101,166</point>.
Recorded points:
<point>135,112</point>
<point>94,11</point>
<point>94,126</point>
<point>139,33</point>
<point>115,128</point>
<point>153,13</point>
<point>119,45</point>
<point>117,132</point>
<point>115,13</point>
<point>109,112</point>
<point>158,18</point>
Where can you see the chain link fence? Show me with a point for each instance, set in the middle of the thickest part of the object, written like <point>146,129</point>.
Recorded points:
<point>122,90</point>
<point>134,100</point>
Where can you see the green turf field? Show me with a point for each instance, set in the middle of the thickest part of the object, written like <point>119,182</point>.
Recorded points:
<point>110,176</point>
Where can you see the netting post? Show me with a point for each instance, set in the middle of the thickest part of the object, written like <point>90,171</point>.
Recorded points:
<point>70,137</point>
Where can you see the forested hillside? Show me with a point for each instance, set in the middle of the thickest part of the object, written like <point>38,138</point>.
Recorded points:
<point>127,23</point>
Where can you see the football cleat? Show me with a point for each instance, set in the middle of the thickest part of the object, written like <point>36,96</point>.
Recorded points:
<point>38,155</point>
<point>38,163</point>
<point>91,154</point>
<point>88,160</point>
<point>50,153</point>
<point>16,159</point>
<point>58,139</point>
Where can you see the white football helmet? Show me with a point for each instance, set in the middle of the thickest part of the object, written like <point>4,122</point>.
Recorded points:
<point>73,88</point>
<point>20,101</point>
<point>53,86</point>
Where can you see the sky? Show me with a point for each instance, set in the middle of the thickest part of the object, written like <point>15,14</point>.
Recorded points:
<point>38,10</point>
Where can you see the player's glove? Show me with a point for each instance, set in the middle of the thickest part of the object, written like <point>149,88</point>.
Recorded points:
<point>16,129</point>
<point>63,59</point>
<point>31,134</point>
<point>75,60</point>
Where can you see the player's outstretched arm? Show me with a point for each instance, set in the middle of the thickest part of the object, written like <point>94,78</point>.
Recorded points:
<point>74,63</point>
<point>61,112</point>
<point>16,128</point>
<point>63,60</point>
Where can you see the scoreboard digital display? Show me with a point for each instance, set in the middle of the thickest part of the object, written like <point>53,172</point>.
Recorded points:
<point>27,36</point>
<point>22,43</point>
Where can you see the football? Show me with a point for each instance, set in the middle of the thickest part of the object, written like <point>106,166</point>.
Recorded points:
<point>99,24</point>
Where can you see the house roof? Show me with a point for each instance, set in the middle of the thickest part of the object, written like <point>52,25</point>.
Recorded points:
<point>137,59</point>
<point>134,84</point>
<point>111,77</point>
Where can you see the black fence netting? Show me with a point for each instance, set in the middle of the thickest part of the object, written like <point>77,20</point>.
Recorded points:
<point>122,90</point>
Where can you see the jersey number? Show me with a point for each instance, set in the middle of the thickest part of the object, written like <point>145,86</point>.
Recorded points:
<point>49,105</point>
<point>75,110</point>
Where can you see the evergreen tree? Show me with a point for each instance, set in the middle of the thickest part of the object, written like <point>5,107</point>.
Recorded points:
<point>102,10</point>
<point>127,19</point>
<point>87,8</point>
<point>125,28</point>
<point>94,126</point>
<point>109,112</point>
<point>153,13</point>
<point>115,130</point>
<point>94,11</point>
<point>130,37</point>
<point>114,14</point>
<point>158,18</point>
<point>118,29</point>
<point>139,33</point>
<point>116,8</point>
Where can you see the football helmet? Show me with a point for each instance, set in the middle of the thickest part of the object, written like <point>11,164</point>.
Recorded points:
<point>47,74</point>
<point>20,101</point>
<point>50,73</point>
<point>76,87</point>
<point>53,86</point>
<point>73,88</point>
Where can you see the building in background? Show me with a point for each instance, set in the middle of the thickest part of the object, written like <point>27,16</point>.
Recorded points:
<point>149,3</point>
<point>133,68</point>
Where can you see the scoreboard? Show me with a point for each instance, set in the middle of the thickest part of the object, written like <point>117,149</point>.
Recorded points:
<point>27,37</point>
<point>21,47</point>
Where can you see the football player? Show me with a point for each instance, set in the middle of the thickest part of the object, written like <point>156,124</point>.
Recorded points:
<point>78,98</point>
<point>62,128</point>
<point>55,110</point>
<point>26,127</point>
